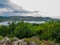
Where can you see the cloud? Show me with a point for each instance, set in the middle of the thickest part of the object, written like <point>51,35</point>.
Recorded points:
<point>9,9</point>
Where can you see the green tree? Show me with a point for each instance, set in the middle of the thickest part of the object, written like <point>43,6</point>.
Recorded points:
<point>24,30</point>
<point>4,30</point>
<point>12,27</point>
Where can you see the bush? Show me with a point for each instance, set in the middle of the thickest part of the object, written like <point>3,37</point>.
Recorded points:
<point>1,38</point>
<point>24,30</point>
<point>46,31</point>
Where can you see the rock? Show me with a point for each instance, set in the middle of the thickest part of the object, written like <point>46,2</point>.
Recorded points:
<point>26,41</point>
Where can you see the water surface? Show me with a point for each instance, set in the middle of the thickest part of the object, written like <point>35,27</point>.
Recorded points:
<point>6,22</point>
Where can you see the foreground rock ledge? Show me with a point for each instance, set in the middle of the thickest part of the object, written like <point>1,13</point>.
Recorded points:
<point>26,41</point>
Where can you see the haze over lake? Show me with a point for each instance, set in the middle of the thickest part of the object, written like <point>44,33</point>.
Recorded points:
<point>34,22</point>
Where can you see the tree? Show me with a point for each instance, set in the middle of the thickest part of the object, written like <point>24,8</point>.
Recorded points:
<point>4,30</point>
<point>12,27</point>
<point>24,30</point>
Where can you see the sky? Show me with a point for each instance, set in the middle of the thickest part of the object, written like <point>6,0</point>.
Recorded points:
<point>49,8</point>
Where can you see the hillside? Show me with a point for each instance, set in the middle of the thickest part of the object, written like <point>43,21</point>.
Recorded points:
<point>26,18</point>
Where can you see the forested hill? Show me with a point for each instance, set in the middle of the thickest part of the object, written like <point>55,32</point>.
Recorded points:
<point>26,18</point>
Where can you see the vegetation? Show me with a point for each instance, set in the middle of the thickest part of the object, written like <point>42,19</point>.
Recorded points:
<point>46,31</point>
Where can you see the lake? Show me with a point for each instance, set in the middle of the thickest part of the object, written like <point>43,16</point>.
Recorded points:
<point>36,22</point>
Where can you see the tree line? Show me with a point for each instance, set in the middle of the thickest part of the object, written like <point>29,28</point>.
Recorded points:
<point>46,31</point>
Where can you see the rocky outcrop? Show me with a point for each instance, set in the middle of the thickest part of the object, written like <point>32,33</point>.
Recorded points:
<point>26,41</point>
